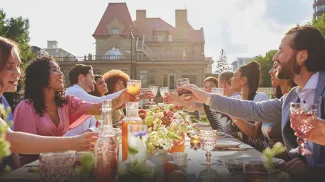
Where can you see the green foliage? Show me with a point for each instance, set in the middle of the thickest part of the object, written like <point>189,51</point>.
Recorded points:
<point>268,154</point>
<point>17,29</point>
<point>319,24</point>
<point>266,64</point>
<point>4,144</point>
<point>203,119</point>
<point>84,170</point>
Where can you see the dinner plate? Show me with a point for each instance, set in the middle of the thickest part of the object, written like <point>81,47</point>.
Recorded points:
<point>226,144</point>
<point>246,164</point>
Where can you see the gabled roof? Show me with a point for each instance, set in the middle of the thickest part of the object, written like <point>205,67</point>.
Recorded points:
<point>119,11</point>
<point>153,24</point>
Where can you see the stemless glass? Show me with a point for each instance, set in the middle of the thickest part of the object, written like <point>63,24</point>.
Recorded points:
<point>134,87</point>
<point>57,166</point>
<point>301,118</point>
<point>208,139</point>
<point>181,92</point>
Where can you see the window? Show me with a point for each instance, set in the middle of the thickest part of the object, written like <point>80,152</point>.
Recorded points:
<point>148,77</point>
<point>320,7</point>
<point>97,72</point>
<point>116,31</point>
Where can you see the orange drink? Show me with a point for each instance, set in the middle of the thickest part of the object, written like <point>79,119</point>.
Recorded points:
<point>134,87</point>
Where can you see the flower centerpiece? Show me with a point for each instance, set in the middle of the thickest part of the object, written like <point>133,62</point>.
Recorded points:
<point>138,167</point>
<point>167,126</point>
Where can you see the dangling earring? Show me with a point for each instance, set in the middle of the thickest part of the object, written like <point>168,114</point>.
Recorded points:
<point>242,93</point>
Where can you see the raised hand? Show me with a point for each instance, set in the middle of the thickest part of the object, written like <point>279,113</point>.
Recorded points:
<point>173,99</point>
<point>198,95</point>
<point>317,134</point>
<point>146,95</point>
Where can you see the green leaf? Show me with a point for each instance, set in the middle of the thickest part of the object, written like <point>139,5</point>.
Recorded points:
<point>132,150</point>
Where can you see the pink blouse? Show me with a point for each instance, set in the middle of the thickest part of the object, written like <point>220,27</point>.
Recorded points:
<point>27,120</point>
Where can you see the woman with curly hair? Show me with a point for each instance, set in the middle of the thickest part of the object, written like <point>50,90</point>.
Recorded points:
<point>100,87</point>
<point>46,110</point>
<point>116,80</point>
<point>9,76</point>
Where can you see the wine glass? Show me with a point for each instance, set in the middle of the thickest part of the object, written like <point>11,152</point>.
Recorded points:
<point>208,139</point>
<point>153,90</point>
<point>301,118</point>
<point>163,91</point>
<point>134,87</point>
<point>181,92</point>
<point>218,91</point>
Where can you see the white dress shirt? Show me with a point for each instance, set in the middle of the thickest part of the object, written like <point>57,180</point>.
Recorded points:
<point>80,93</point>
<point>89,123</point>
<point>307,94</point>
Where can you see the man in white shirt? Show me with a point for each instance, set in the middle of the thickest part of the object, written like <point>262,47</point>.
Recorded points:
<point>82,80</point>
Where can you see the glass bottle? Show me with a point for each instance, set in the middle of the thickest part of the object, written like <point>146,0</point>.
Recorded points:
<point>132,117</point>
<point>106,149</point>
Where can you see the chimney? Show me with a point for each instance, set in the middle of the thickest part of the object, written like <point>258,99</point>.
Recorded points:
<point>141,21</point>
<point>181,18</point>
<point>141,15</point>
<point>52,44</point>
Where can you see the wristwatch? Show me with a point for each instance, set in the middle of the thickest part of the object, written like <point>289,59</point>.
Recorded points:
<point>208,99</point>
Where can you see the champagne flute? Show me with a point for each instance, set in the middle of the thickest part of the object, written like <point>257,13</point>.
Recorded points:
<point>181,92</point>
<point>301,118</point>
<point>134,87</point>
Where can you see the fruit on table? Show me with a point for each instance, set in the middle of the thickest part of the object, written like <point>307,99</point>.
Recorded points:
<point>170,166</point>
<point>176,176</point>
<point>142,114</point>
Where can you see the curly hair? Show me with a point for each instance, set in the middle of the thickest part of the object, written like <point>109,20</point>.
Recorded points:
<point>95,92</point>
<point>36,79</point>
<point>112,77</point>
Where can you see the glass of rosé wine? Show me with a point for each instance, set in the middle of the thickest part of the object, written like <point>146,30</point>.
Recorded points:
<point>134,87</point>
<point>301,119</point>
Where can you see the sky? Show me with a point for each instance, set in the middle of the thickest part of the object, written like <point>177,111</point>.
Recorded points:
<point>243,28</point>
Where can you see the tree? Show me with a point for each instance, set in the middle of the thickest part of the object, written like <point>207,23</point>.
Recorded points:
<point>319,24</point>
<point>222,63</point>
<point>266,64</point>
<point>17,29</point>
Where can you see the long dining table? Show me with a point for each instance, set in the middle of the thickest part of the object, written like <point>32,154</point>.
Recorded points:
<point>195,158</point>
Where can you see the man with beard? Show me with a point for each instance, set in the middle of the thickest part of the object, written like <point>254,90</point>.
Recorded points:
<point>300,57</point>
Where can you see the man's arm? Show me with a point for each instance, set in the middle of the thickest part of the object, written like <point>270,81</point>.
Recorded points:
<point>266,111</point>
<point>93,99</point>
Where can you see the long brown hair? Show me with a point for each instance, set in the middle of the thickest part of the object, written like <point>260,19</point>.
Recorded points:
<point>7,48</point>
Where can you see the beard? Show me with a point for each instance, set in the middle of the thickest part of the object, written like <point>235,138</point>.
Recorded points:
<point>290,69</point>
